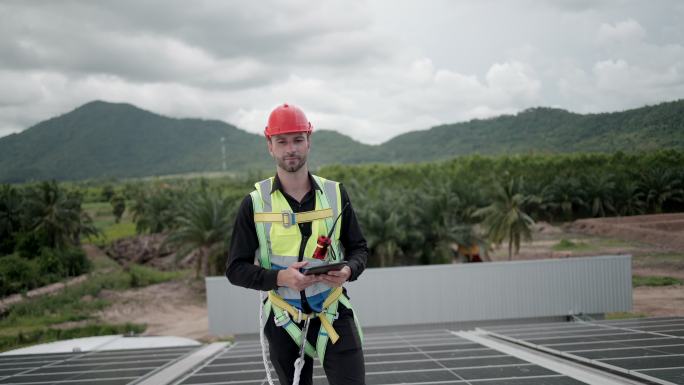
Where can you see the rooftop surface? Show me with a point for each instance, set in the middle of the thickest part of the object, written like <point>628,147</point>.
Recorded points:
<point>641,351</point>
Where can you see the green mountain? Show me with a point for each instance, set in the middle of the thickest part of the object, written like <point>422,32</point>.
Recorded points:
<point>101,139</point>
<point>547,130</point>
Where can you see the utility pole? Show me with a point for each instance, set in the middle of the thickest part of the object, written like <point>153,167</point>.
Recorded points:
<point>223,152</point>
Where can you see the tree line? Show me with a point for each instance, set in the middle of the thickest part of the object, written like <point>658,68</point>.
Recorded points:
<point>415,213</point>
<point>410,213</point>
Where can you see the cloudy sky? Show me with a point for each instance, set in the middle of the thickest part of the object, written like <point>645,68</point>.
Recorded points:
<point>369,69</point>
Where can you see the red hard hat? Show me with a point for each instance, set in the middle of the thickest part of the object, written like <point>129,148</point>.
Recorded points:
<point>286,119</point>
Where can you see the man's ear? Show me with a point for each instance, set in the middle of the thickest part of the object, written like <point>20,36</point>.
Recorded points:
<point>270,146</point>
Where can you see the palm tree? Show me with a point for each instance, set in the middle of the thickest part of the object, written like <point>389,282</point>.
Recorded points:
<point>385,227</point>
<point>10,217</point>
<point>660,185</point>
<point>599,188</point>
<point>444,215</point>
<point>118,203</point>
<point>56,215</point>
<point>629,198</point>
<point>204,225</point>
<point>563,196</point>
<point>504,219</point>
<point>154,209</point>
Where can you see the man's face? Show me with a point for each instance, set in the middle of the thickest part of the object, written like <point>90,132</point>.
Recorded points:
<point>290,150</point>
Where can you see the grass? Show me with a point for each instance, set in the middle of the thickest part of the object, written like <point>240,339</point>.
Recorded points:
<point>639,280</point>
<point>568,245</point>
<point>660,260</point>
<point>612,242</point>
<point>104,220</point>
<point>43,335</point>
<point>624,315</point>
<point>141,276</point>
<point>74,303</point>
<point>33,320</point>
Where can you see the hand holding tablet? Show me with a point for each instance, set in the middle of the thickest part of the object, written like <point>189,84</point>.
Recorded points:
<point>323,269</point>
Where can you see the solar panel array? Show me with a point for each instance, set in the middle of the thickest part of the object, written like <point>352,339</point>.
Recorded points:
<point>652,349</point>
<point>115,367</point>
<point>420,357</point>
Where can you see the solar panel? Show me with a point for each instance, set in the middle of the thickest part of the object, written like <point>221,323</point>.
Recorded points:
<point>652,349</point>
<point>420,357</point>
<point>114,367</point>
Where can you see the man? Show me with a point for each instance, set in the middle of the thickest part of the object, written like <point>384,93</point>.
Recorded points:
<point>281,222</point>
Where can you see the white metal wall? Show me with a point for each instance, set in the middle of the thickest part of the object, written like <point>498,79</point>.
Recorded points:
<point>453,293</point>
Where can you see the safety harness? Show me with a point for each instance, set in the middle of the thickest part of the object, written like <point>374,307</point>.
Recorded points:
<point>281,302</point>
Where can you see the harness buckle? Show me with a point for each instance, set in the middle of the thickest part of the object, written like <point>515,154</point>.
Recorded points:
<point>282,320</point>
<point>335,315</point>
<point>289,218</point>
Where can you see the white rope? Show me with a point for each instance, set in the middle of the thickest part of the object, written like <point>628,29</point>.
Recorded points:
<point>299,363</point>
<point>262,324</point>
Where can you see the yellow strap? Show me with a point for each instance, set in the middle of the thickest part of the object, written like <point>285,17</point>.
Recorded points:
<point>328,328</point>
<point>286,218</point>
<point>278,301</point>
<point>332,297</point>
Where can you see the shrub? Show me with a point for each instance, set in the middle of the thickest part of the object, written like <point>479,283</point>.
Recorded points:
<point>17,274</point>
<point>50,265</point>
<point>75,262</point>
<point>29,244</point>
<point>63,263</point>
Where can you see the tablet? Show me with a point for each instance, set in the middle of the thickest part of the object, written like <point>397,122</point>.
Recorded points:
<point>322,269</point>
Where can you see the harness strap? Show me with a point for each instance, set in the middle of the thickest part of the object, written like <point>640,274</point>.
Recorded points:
<point>298,316</point>
<point>291,328</point>
<point>345,301</point>
<point>289,218</point>
<point>323,335</point>
<point>286,313</point>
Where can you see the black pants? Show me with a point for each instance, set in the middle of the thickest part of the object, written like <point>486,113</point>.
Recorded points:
<point>343,363</point>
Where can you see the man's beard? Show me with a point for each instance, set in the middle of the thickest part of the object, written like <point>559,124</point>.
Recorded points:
<point>291,166</point>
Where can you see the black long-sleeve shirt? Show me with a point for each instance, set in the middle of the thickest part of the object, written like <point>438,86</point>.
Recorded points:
<point>240,267</point>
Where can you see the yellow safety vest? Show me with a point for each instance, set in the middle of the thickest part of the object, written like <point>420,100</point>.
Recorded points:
<point>280,241</point>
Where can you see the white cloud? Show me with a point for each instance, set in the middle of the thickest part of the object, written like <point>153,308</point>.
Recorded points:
<point>628,31</point>
<point>513,80</point>
<point>370,70</point>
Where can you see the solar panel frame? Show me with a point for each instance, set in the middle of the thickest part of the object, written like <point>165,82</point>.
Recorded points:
<point>613,345</point>
<point>114,367</point>
<point>420,357</point>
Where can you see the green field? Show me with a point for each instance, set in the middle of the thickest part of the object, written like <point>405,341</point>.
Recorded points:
<point>104,220</point>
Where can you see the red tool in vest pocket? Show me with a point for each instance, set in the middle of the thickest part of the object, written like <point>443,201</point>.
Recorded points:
<point>323,242</point>
<point>321,247</point>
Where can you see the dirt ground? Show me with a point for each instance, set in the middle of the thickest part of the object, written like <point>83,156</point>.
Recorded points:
<point>664,230</point>
<point>179,308</point>
<point>659,301</point>
<point>170,308</point>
